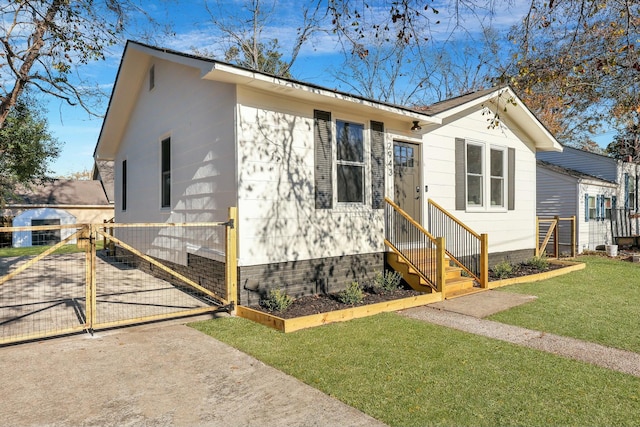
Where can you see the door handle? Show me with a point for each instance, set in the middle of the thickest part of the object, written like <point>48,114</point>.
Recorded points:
<point>417,192</point>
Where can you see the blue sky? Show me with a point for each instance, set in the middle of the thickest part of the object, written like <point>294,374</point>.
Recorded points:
<point>78,132</point>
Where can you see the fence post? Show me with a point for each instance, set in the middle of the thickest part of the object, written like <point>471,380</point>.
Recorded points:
<point>556,238</point>
<point>440,266</point>
<point>537,236</point>
<point>573,237</point>
<point>231,258</point>
<point>88,235</point>
<point>484,260</point>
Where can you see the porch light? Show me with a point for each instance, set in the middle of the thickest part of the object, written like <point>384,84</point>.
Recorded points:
<point>416,127</point>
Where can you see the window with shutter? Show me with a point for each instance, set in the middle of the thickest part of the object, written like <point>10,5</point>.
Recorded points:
<point>322,159</point>
<point>484,176</point>
<point>377,165</point>
<point>348,163</point>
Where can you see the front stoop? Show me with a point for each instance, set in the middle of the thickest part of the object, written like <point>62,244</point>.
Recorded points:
<point>456,283</point>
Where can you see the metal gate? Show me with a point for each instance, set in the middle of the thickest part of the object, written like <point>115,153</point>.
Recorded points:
<point>105,275</point>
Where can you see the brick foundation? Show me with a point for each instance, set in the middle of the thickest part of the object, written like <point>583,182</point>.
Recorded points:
<point>307,277</point>
<point>514,257</point>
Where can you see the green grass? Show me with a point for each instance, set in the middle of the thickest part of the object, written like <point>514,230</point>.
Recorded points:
<point>411,373</point>
<point>37,250</point>
<point>600,304</point>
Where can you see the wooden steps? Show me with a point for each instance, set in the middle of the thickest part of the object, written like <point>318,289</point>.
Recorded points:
<point>455,283</point>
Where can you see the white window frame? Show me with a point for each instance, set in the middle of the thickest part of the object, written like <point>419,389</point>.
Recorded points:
<point>608,206</point>
<point>592,208</point>
<point>365,164</point>
<point>482,175</point>
<point>486,177</point>
<point>504,177</point>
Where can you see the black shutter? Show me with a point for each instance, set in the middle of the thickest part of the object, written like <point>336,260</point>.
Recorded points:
<point>461,175</point>
<point>511,183</point>
<point>322,159</point>
<point>377,165</point>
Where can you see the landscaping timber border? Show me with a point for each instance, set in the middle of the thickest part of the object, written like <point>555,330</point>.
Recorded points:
<point>297,323</point>
<point>570,266</point>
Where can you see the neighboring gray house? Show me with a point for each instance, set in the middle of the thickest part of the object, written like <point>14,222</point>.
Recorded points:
<point>589,186</point>
<point>565,193</point>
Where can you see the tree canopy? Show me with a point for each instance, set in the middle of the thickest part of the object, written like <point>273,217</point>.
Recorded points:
<point>26,147</point>
<point>577,64</point>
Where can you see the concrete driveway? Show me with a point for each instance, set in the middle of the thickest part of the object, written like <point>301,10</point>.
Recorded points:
<point>163,374</point>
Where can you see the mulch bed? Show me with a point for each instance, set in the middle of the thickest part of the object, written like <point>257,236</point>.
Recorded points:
<point>524,270</point>
<point>323,303</point>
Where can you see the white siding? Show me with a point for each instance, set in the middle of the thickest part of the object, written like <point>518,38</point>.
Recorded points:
<point>278,220</point>
<point>507,230</point>
<point>198,116</point>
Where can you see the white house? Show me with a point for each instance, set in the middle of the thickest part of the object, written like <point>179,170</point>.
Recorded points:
<point>603,185</point>
<point>308,167</point>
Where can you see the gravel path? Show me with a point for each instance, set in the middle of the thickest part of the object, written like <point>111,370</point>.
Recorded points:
<point>460,314</point>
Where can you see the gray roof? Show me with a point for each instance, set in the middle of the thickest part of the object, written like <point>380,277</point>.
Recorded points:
<point>103,172</point>
<point>62,192</point>
<point>447,104</point>
<point>571,172</point>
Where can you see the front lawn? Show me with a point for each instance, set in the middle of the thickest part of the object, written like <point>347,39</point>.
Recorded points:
<point>37,250</point>
<point>407,372</point>
<point>600,304</point>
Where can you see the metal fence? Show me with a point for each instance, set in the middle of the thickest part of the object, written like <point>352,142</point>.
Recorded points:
<point>104,275</point>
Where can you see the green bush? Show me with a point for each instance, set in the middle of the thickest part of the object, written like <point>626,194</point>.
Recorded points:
<point>276,300</point>
<point>502,269</point>
<point>352,295</point>
<point>540,262</point>
<point>388,281</point>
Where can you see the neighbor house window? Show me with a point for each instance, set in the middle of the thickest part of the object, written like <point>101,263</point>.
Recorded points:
<point>165,179</point>
<point>592,208</point>
<point>350,162</point>
<point>124,185</point>
<point>607,207</point>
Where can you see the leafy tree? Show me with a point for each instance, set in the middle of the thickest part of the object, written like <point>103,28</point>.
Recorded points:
<point>26,147</point>
<point>43,41</point>
<point>626,144</point>
<point>577,64</point>
<point>243,35</point>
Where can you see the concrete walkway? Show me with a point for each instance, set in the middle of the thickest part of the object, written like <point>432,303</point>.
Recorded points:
<point>165,374</point>
<point>465,314</point>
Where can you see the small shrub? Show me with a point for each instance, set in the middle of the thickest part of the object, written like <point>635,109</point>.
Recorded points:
<point>539,262</point>
<point>502,269</point>
<point>352,295</point>
<point>277,300</point>
<point>389,281</point>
